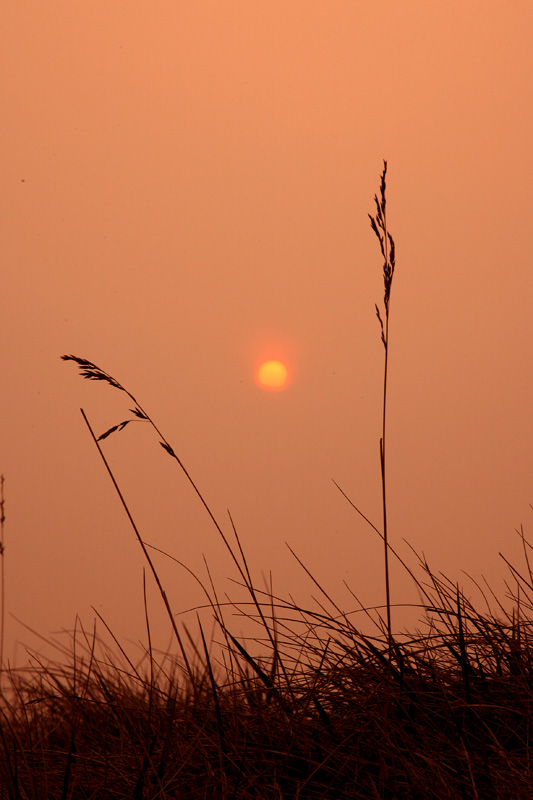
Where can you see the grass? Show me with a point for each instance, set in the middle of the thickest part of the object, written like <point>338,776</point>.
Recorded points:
<point>313,708</point>
<point>386,243</point>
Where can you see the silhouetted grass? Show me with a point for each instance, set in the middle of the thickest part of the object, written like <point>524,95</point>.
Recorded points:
<point>448,716</point>
<point>313,708</point>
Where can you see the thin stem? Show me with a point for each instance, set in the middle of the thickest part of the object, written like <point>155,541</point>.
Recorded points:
<point>386,243</point>
<point>383,473</point>
<point>145,551</point>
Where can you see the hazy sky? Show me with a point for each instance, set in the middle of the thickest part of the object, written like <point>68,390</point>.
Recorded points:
<point>185,192</point>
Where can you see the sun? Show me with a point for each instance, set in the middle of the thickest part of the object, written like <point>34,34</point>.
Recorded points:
<point>272,376</point>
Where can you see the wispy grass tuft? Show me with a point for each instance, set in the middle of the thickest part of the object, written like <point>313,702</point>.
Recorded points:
<point>459,696</point>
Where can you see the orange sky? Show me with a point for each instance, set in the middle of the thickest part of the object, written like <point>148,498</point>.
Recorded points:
<point>185,191</point>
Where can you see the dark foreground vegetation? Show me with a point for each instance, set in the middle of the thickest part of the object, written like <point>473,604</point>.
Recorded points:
<point>330,713</point>
<point>312,707</point>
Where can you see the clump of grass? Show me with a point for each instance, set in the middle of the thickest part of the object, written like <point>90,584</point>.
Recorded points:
<point>312,708</point>
<point>458,698</point>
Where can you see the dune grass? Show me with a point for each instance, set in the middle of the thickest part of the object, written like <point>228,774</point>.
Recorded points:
<point>312,708</point>
<point>326,715</point>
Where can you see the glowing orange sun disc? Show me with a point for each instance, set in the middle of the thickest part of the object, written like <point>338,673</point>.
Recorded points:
<point>272,375</point>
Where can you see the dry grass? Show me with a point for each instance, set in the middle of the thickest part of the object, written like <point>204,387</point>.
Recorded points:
<point>388,251</point>
<point>326,711</point>
<point>327,715</point>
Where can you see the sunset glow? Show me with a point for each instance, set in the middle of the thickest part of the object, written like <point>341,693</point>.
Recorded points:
<point>186,202</point>
<point>272,375</point>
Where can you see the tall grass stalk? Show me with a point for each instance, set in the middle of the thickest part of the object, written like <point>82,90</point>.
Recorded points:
<point>386,243</point>
<point>91,371</point>
<point>141,542</point>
